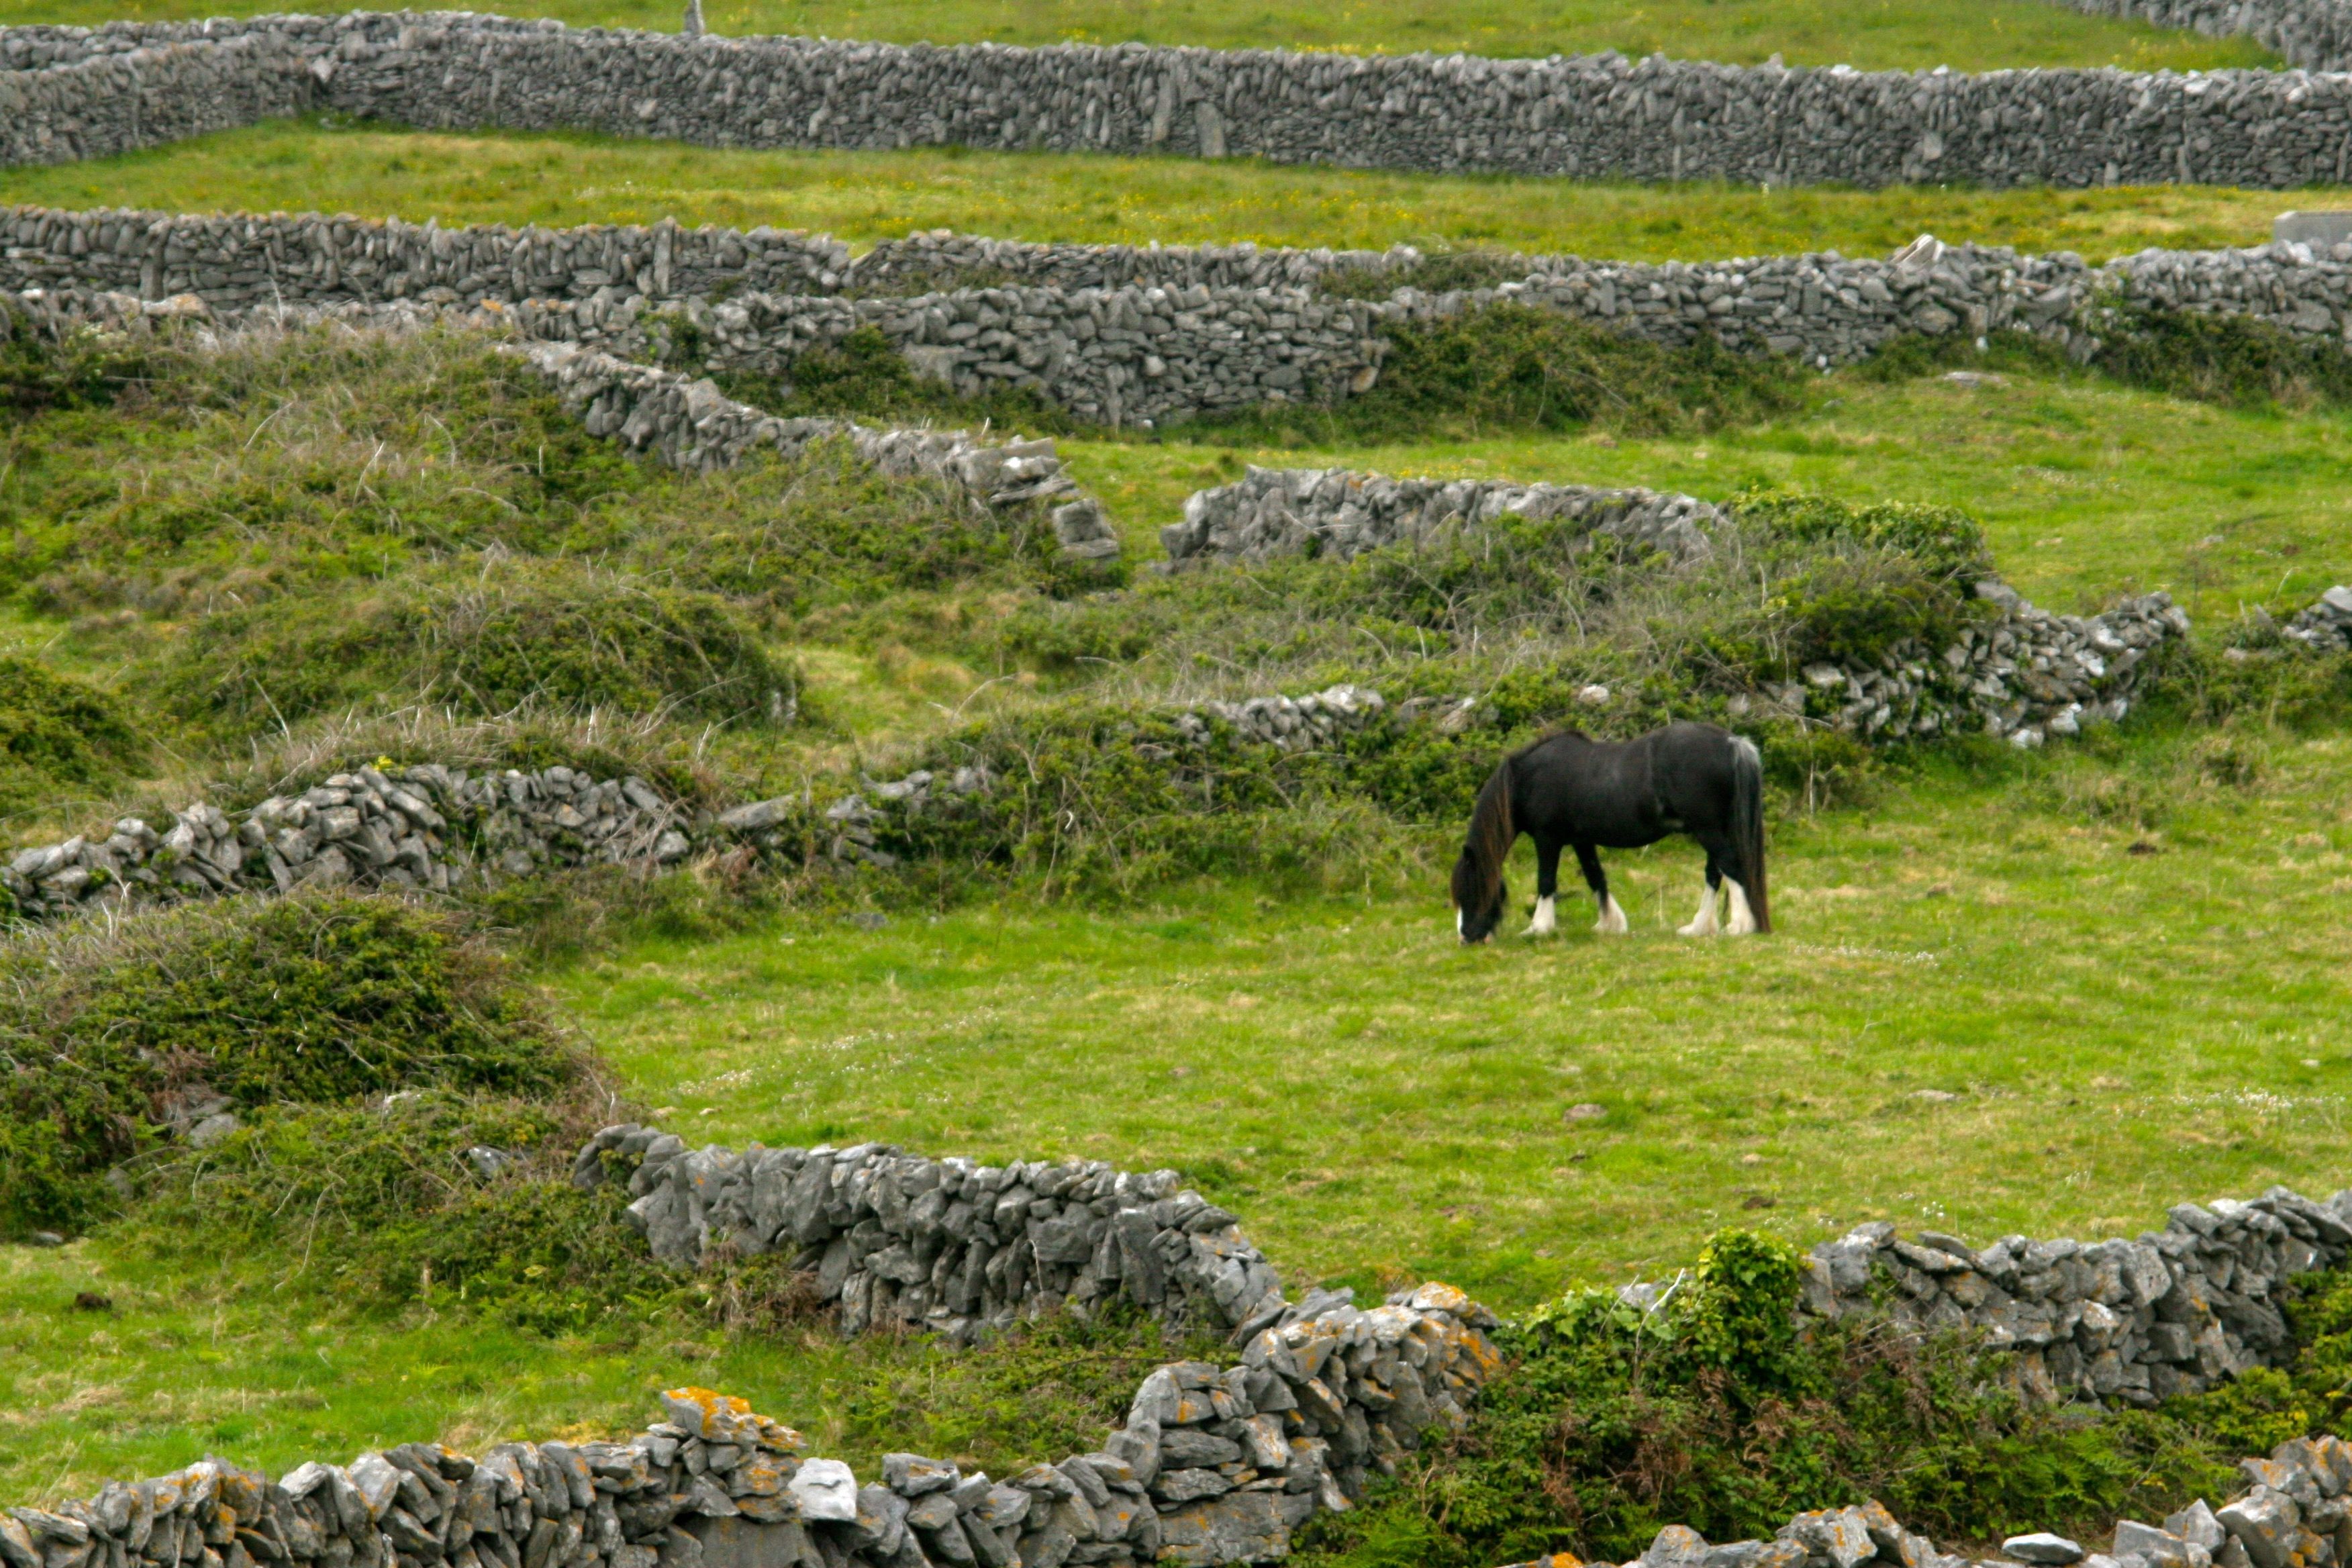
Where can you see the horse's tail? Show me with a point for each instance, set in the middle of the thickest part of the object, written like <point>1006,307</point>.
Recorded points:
<point>1479,871</point>
<point>1748,826</point>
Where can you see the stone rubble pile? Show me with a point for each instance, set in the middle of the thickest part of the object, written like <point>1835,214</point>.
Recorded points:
<point>80,92</point>
<point>2325,624</point>
<point>1335,513</point>
<point>2027,675</point>
<point>2175,1311</point>
<point>427,826</point>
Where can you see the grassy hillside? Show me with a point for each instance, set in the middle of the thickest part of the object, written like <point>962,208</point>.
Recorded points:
<point>322,165</point>
<point>2052,993</point>
<point>1873,34</point>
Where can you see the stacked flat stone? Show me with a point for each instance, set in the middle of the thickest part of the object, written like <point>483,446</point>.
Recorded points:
<point>427,826</point>
<point>1314,721</point>
<point>2175,1311</point>
<point>2027,675</point>
<point>1593,117</point>
<point>691,425</point>
<point>2313,34</point>
<point>1133,352</point>
<point>2325,624</point>
<point>306,259</point>
<point>1213,1464</point>
<point>1336,513</point>
<point>947,1245</point>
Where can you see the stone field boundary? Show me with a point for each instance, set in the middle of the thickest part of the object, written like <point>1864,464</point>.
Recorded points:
<point>71,93</point>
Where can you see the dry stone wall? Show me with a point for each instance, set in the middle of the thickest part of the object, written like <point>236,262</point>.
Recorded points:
<point>2315,35</point>
<point>1332,512</point>
<point>946,1245</point>
<point>2174,1311</point>
<point>1213,1464</point>
<point>2024,673</point>
<point>277,258</point>
<point>1599,116</point>
<point>1115,335</point>
<point>423,828</point>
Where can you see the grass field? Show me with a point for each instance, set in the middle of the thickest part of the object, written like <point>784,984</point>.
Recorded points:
<point>1873,34</point>
<point>2087,490</point>
<point>2115,1031</point>
<point>175,1366</point>
<point>324,166</point>
<point>2051,993</point>
<point>2122,1029</point>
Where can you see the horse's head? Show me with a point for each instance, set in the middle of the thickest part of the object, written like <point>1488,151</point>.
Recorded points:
<point>1477,909</point>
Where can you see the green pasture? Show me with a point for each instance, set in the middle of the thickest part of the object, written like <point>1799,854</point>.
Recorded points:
<point>112,1366</point>
<point>320,164</point>
<point>2119,982</point>
<point>1872,34</point>
<point>2086,489</point>
<point>2052,993</point>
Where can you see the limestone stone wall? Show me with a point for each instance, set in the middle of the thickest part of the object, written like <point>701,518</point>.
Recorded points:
<point>2174,1311</point>
<point>1595,116</point>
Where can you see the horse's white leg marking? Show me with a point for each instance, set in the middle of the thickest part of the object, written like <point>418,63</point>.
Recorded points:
<point>1612,918</point>
<point>1544,922</point>
<point>1743,919</point>
<point>1457,922</point>
<point>1703,923</point>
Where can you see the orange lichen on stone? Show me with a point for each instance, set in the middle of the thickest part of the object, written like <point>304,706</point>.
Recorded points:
<point>706,1412</point>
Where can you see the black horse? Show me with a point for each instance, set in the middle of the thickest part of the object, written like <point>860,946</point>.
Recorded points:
<point>1568,789</point>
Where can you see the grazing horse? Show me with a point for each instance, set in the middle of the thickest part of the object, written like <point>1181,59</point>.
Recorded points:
<point>1568,789</point>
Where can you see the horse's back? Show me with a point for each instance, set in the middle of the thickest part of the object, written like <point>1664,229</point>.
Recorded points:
<point>1627,793</point>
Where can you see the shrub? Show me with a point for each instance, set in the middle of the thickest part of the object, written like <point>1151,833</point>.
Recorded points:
<point>521,634</point>
<point>56,733</point>
<point>108,1031</point>
<point>83,370</point>
<point>1509,366</point>
<point>1710,1408</point>
<point>2231,359</point>
<point>377,1207</point>
<point>865,375</point>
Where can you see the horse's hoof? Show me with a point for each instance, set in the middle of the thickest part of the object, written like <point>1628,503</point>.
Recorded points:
<point>1694,929</point>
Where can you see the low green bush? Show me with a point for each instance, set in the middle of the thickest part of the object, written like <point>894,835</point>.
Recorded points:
<point>107,1032</point>
<point>2230,359</point>
<point>520,634</point>
<point>1713,1409</point>
<point>59,734</point>
<point>865,376</point>
<point>86,369</point>
<point>375,1206</point>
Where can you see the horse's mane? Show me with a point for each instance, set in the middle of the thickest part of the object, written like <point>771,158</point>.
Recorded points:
<point>1479,872</point>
